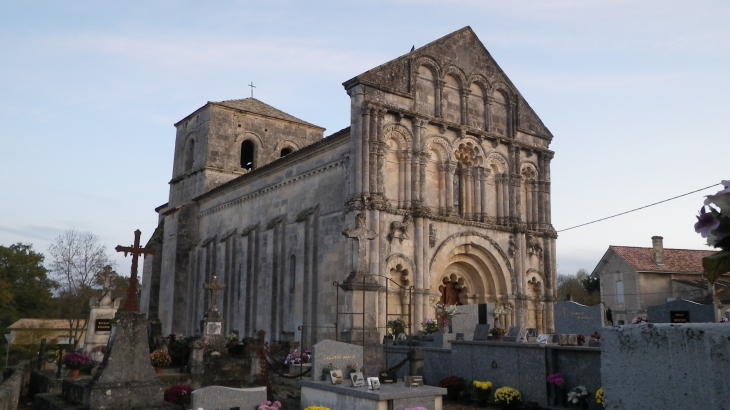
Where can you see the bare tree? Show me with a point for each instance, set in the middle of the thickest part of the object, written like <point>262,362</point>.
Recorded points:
<point>76,259</point>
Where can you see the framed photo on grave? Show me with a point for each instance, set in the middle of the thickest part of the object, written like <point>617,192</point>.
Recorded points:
<point>387,376</point>
<point>357,379</point>
<point>373,383</point>
<point>336,376</point>
<point>213,328</point>
<point>413,381</point>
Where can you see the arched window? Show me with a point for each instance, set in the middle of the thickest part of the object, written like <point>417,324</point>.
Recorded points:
<point>285,151</point>
<point>248,151</point>
<point>189,155</point>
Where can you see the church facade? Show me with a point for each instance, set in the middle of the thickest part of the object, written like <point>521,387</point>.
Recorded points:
<point>438,191</point>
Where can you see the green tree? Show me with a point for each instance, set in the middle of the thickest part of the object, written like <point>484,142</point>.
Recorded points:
<point>570,287</point>
<point>25,289</point>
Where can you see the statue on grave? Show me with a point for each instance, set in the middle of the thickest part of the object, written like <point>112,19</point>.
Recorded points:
<point>449,293</point>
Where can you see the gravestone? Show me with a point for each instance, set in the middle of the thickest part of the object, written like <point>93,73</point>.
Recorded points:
<point>681,311</point>
<point>225,398</point>
<point>213,323</point>
<point>469,316</point>
<point>513,334</point>
<point>571,317</point>
<point>126,378</point>
<point>338,353</point>
<point>101,312</point>
<point>481,332</point>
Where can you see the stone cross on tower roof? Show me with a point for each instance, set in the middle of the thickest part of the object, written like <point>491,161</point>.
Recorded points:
<point>362,235</point>
<point>214,287</point>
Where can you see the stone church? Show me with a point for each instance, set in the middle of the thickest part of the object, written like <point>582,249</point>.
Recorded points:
<point>438,191</point>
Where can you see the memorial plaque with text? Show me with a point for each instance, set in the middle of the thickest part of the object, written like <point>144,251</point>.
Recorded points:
<point>103,325</point>
<point>679,316</point>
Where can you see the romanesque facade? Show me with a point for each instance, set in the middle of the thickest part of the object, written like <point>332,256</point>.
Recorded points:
<point>439,190</point>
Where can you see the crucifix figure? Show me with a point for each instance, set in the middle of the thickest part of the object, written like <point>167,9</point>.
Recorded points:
<point>362,235</point>
<point>135,250</point>
<point>252,87</point>
<point>214,287</point>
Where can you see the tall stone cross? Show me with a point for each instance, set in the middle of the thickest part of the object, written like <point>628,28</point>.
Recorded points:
<point>214,287</point>
<point>135,250</point>
<point>362,235</point>
<point>107,274</point>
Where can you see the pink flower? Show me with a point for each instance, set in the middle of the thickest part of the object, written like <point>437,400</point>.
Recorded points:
<point>706,222</point>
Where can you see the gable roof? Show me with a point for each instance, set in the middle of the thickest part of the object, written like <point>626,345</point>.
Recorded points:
<point>675,260</point>
<point>23,324</point>
<point>463,49</point>
<point>255,106</point>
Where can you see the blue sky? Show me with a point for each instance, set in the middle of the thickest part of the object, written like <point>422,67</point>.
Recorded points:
<point>633,92</point>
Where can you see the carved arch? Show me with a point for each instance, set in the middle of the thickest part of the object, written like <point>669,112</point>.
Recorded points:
<point>399,133</point>
<point>498,160</point>
<point>456,73</point>
<point>534,272</point>
<point>504,89</point>
<point>441,146</point>
<point>485,242</point>
<point>480,81</point>
<point>399,259</point>
<point>529,165</point>
<point>428,62</point>
<point>472,143</point>
<point>286,144</point>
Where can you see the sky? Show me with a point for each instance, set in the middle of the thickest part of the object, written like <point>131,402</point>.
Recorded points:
<point>634,93</point>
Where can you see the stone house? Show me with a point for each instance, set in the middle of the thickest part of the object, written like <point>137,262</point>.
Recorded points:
<point>31,331</point>
<point>634,278</point>
<point>438,191</point>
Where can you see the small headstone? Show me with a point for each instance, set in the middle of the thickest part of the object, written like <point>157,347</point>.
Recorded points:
<point>373,383</point>
<point>513,334</point>
<point>571,317</point>
<point>337,353</point>
<point>336,377</point>
<point>481,332</point>
<point>413,381</point>
<point>224,398</point>
<point>563,340</point>
<point>681,311</point>
<point>573,340</point>
<point>358,380</point>
<point>388,376</point>
<point>542,338</point>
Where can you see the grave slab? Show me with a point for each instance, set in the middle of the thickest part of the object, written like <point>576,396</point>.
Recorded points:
<point>224,398</point>
<point>681,311</point>
<point>574,318</point>
<point>391,396</point>
<point>338,353</point>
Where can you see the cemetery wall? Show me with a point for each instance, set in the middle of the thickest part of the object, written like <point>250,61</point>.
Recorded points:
<point>10,388</point>
<point>676,366</point>
<point>522,366</point>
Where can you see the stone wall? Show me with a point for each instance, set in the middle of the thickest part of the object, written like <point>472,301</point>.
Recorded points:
<point>10,388</point>
<point>666,366</point>
<point>522,366</point>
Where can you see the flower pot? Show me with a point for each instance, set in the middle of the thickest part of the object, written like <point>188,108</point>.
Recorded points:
<point>159,370</point>
<point>74,373</point>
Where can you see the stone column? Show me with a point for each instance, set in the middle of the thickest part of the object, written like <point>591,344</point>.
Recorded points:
<point>380,153</point>
<point>484,176</point>
<point>535,201</point>
<point>401,179</point>
<point>511,118</point>
<point>467,188</point>
<point>464,106</point>
<point>499,200</point>
<point>540,187</point>
<point>442,189</point>
<point>407,185</point>
<point>416,196</point>
<point>439,110</point>
<point>514,186</point>
<point>449,168</point>
<point>373,151</point>
<point>357,139</point>
<point>418,285</point>
<point>487,114</point>
<point>422,158</point>
<point>477,193</point>
<point>546,190</point>
<point>506,209</point>
<point>528,202</point>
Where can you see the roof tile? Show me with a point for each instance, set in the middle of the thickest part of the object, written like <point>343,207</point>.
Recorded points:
<point>675,260</point>
<point>255,106</point>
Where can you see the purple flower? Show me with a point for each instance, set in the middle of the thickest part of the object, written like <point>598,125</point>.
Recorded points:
<point>706,222</point>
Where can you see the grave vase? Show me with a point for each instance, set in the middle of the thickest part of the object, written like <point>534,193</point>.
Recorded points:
<point>74,373</point>
<point>159,370</point>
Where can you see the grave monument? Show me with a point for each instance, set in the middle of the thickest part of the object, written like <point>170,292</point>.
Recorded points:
<point>101,314</point>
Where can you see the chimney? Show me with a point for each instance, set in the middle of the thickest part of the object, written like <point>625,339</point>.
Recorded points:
<point>657,243</point>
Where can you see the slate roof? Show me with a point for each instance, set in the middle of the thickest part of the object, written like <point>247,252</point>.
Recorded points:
<point>675,260</point>
<point>43,324</point>
<point>255,106</point>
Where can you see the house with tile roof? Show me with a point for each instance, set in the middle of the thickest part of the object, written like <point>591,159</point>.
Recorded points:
<point>634,278</point>
<point>31,331</point>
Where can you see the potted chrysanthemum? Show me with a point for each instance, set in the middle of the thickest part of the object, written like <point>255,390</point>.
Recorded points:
<point>508,397</point>
<point>160,360</point>
<point>75,361</point>
<point>481,390</point>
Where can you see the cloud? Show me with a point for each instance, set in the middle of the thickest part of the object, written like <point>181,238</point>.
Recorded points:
<point>36,232</point>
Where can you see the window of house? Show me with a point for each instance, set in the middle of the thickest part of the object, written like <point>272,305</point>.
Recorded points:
<point>619,292</point>
<point>248,150</point>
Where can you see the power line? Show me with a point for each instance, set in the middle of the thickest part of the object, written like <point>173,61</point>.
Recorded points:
<point>645,206</point>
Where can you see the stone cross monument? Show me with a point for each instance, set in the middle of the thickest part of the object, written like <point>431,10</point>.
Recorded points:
<point>361,234</point>
<point>101,313</point>
<point>135,250</point>
<point>213,323</point>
